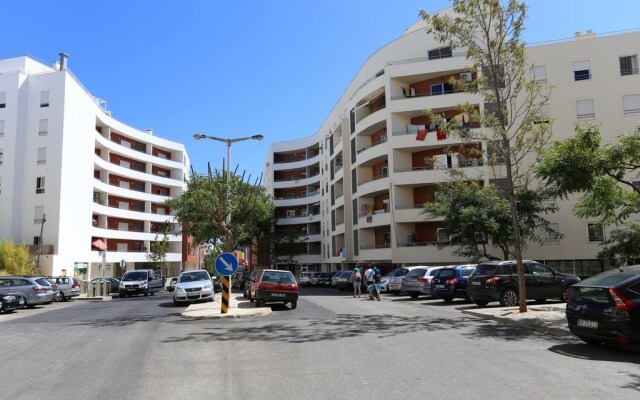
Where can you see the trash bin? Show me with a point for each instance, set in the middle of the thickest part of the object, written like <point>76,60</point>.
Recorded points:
<point>97,289</point>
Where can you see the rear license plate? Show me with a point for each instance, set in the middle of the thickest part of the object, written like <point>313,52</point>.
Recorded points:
<point>439,286</point>
<point>131,290</point>
<point>475,283</point>
<point>584,323</point>
<point>277,295</point>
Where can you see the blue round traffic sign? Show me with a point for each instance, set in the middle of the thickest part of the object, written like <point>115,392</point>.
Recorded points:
<point>226,264</point>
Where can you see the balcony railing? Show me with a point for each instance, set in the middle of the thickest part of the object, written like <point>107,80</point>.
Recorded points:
<point>375,178</point>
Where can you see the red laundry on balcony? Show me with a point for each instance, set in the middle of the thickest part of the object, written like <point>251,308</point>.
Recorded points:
<point>440,134</point>
<point>422,134</point>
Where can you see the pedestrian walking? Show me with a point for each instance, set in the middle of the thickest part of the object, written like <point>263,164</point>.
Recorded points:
<point>368,278</point>
<point>377,278</point>
<point>357,282</point>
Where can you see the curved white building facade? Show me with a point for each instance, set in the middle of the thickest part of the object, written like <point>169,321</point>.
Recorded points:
<point>374,177</point>
<point>71,174</point>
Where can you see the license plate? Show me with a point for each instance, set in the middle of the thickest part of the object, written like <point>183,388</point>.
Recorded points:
<point>475,283</point>
<point>278,295</point>
<point>585,323</point>
<point>131,290</point>
<point>439,286</point>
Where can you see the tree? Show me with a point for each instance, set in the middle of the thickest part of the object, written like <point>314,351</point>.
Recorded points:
<point>477,218</point>
<point>603,176</point>
<point>15,259</point>
<point>203,210</point>
<point>285,243</point>
<point>513,124</point>
<point>158,251</point>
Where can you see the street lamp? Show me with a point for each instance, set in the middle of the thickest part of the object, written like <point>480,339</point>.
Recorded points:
<point>199,136</point>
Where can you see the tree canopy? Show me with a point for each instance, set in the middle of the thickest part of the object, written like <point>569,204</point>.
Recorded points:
<point>203,210</point>
<point>15,259</point>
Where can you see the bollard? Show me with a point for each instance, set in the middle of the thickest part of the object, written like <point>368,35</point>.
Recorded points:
<point>106,288</point>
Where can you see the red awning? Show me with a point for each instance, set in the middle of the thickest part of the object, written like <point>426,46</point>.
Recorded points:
<point>100,245</point>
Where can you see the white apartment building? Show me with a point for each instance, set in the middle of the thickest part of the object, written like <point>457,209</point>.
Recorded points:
<point>374,142</point>
<point>71,175</point>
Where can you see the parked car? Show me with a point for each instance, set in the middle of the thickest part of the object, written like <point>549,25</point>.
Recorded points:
<point>252,277</point>
<point>35,290</point>
<point>324,279</point>
<point>451,282</point>
<point>171,285</point>
<point>334,278</point>
<point>384,284</point>
<point>273,285</point>
<point>606,308</point>
<point>344,281</point>
<point>140,281</point>
<point>114,283</point>
<point>240,279</point>
<point>418,281</point>
<point>10,300</point>
<point>498,281</point>
<point>68,286</point>
<point>193,286</point>
<point>305,278</point>
<point>314,278</point>
<point>217,286</point>
<point>397,277</point>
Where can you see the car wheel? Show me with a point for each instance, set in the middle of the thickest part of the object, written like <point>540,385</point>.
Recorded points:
<point>481,303</point>
<point>176,303</point>
<point>123,294</point>
<point>29,305</point>
<point>146,292</point>
<point>509,298</point>
<point>258,303</point>
<point>152,293</point>
<point>414,295</point>
<point>447,299</point>
<point>565,295</point>
<point>294,304</point>
<point>588,340</point>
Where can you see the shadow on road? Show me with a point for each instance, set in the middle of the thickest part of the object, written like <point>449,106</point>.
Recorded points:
<point>599,353</point>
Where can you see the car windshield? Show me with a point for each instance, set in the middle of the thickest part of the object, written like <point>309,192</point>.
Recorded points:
<point>278,277</point>
<point>445,273</point>
<point>194,276</point>
<point>135,276</point>
<point>42,281</point>
<point>416,273</point>
<point>485,269</point>
<point>466,271</point>
<point>400,272</point>
<point>590,295</point>
<point>609,278</point>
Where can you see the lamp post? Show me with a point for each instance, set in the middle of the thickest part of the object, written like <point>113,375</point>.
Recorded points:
<point>227,222</point>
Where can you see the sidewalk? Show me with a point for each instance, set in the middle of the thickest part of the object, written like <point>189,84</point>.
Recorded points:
<point>547,318</point>
<point>238,307</point>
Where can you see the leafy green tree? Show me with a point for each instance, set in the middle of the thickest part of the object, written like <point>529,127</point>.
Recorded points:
<point>158,251</point>
<point>602,174</point>
<point>203,210</point>
<point>285,243</point>
<point>477,218</point>
<point>15,259</point>
<point>514,128</point>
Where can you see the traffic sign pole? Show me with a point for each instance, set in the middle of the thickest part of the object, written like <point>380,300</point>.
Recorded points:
<point>226,265</point>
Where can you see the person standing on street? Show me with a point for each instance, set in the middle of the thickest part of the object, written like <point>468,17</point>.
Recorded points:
<point>377,277</point>
<point>368,278</point>
<point>357,282</point>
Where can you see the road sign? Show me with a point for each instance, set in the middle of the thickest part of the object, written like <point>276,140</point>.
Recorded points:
<point>226,264</point>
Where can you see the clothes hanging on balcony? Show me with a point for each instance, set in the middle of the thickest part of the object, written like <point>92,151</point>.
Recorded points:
<point>422,134</point>
<point>441,135</point>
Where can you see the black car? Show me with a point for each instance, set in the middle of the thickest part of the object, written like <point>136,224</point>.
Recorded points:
<point>606,307</point>
<point>247,285</point>
<point>10,300</point>
<point>451,282</point>
<point>498,281</point>
<point>324,279</point>
<point>241,279</point>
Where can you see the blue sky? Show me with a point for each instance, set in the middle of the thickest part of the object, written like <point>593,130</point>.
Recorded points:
<point>235,68</point>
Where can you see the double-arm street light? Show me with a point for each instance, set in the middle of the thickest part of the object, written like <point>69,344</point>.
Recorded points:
<point>199,136</point>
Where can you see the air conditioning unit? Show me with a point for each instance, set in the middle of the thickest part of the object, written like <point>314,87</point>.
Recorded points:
<point>466,76</point>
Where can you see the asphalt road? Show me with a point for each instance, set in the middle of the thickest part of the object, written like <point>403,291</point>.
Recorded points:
<point>331,347</point>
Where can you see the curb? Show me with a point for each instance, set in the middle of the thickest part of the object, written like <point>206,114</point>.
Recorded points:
<point>262,312</point>
<point>530,324</point>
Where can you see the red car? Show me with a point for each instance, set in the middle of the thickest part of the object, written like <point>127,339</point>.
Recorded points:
<point>274,286</point>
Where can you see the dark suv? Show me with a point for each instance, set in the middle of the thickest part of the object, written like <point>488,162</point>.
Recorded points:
<point>498,281</point>
<point>451,282</point>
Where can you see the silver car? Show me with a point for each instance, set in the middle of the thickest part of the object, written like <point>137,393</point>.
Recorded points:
<point>397,277</point>
<point>35,290</point>
<point>193,286</point>
<point>418,281</point>
<point>67,286</point>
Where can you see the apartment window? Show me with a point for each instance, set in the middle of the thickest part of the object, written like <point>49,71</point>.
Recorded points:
<point>43,127</point>
<point>42,155</point>
<point>585,109</point>
<point>40,184</point>
<point>629,65</point>
<point>38,214</point>
<point>539,73</point>
<point>1,127</point>
<point>442,52</point>
<point>596,232</point>
<point>291,213</point>
<point>543,117</point>
<point>441,88</point>
<point>631,104</point>
<point>36,240</point>
<point>553,235</point>
<point>581,70</point>
<point>44,98</point>
<point>3,99</point>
